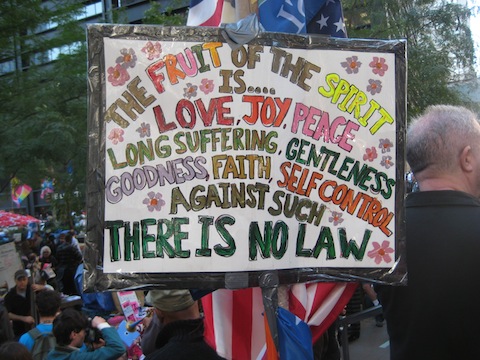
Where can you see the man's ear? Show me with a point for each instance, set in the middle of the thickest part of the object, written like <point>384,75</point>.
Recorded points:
<point>467,159</point>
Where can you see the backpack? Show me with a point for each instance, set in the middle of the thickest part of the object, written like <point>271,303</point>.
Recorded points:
<point>43,344</point>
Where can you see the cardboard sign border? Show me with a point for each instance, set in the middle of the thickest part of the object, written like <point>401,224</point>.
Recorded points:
<point>94,277</point>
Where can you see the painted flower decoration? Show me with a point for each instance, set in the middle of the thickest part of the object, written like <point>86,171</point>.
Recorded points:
<point>381,252</point>
<point>190,91</point>
<point>116,135</point>
<point>128,58</point>
<point>387,161</point>
<point>117,75</point>
<point>351,65</point>
<point>385,145</point>
<point>144,130</point>
<point>370,154</point>
<point>374,86</point>
<point>336,218</point>
<point>152,50</point>
<point>207,86</point>
<point>154,201</point>
<point>378,65</point>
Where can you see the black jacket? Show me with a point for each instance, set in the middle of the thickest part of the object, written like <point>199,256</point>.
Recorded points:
<point>183,340</point>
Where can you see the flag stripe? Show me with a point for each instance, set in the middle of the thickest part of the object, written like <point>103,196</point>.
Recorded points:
<point>209,332</point>
<point>242,320</point>
<point>223,324</point>
<point>328,304</point>
<point>205,13</point>
<point>258,338</point>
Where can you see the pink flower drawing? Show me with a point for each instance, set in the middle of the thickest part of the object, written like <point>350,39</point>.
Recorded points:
<point>381,252</point>
<point>117,75</point>
<point>152,50</point>
<point>336,218</point>
<point>154,201</point>
<point>116,135</point>
<point>127,59</point>
<point>378,66</point>
<point>374,86</point>
<point>207,86</point>
<point>351,65</point>
<point>370,154</point>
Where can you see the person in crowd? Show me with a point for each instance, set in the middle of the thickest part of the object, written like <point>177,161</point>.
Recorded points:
<point>48,265</point>
<point>181,337</point>
<point>68,259</point>
<point>49,240</point>
<point>35,242</point>
<point>12,350</point>
<point>46,257</point>
<point>371,299</point>
<point>152,325</point>
<point>436,315</point>
<point>6,332</point>
<point>75,241</point>
<point>48,305</point>
<point>70,329</point>
<point>19,305</point>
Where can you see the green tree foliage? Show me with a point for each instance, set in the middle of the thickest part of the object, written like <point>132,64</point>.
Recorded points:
<point>43,113</point>
<point>169,16</point>
<point>440,48</point>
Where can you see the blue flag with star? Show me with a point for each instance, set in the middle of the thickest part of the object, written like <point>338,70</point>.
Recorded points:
<point>303,16</point>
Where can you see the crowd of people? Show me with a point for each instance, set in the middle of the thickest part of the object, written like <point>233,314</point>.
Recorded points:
<point>38,322</point>
<point>55,332</point>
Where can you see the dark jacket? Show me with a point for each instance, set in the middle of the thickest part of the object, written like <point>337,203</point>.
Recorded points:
<point>68,256</point>
<point>183,340</point>
<point>19,305</point>
<point>437,316</point>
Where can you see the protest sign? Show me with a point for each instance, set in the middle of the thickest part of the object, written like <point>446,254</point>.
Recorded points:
<point>282,154</point>
<point>9,263</point>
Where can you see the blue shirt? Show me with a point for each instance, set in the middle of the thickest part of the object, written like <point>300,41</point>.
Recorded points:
<point>28,341</point>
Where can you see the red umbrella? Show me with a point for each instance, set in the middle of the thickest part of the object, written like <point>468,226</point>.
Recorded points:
<point>11,219</point>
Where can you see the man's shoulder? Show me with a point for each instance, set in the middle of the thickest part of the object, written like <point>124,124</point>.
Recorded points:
<point>45,328</point>
<point>64,353</point>
<point>199,350</point>
<point>60,247</point>
<point>28,339</point>
<point>441,198</point>
<point>11,295</point>
<point>25,339</point>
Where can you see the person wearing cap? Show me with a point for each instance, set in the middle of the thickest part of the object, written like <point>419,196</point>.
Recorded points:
<point>181,337</point>
<point>19,305</point>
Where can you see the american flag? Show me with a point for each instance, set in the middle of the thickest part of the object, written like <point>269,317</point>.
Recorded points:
<point>234,319</point>
<point>303,16</point>
<point>210,13</point>
<point>292,16</point>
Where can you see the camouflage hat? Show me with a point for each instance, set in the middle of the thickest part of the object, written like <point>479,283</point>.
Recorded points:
<point>171,300</point>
